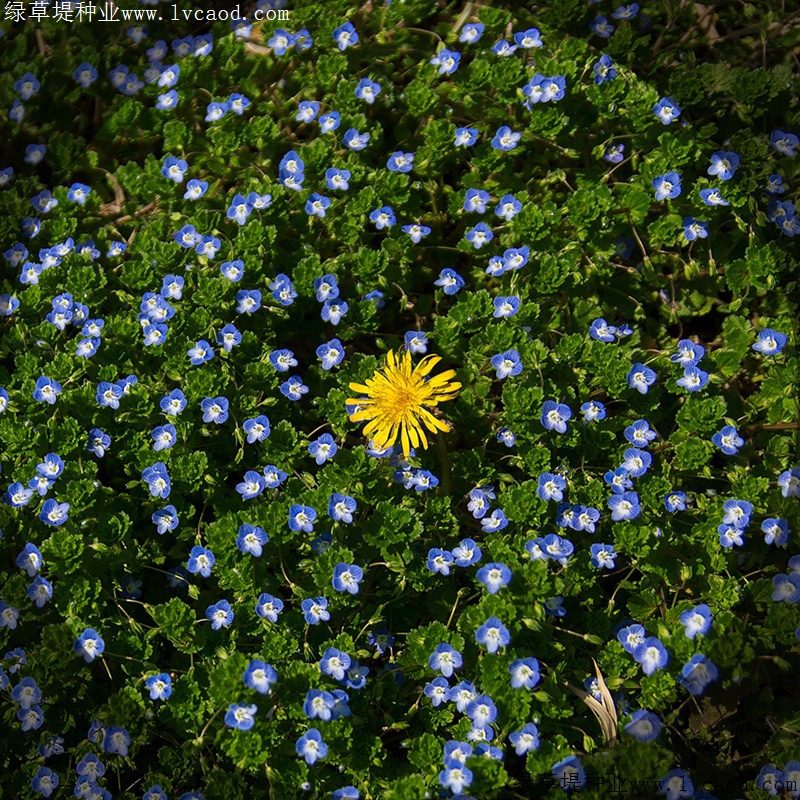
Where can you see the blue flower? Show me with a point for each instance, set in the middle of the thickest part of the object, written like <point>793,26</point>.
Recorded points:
<point>239,209</point>
<point>471,32</point>
<point>281,41</point>
<point>367,90</point>
<point>641,377</point>
<point>667,110</point>
<point>493,576</point>
<point>644,725</point>
<point>85,75</point>
<point>525,739</point>
<point>728,440</point>
<point>317,205</point>
<point>551,486</point>
<point>507,209</point>
<point>34,153</point>
<point>496,521</point>
<point>507,364</point>
<point>450,281</point>
<point>555,416</point>
<point>334,663</point>
<point>697,674</point>
<point>329,122</point>
<point>651,654</point>
<point>482,710</point>
<point>507,437</point>
<point>310,745</point>
<point>636,462</point>
<point>256,428</point>
<point>323,448</point>
<point>355,140</point>
<point>216,110</point>
<point>416,341</point>
<point>505,138</point>
<point>301,518</point>
<point>315,610</point>
<point>383,217</point>
<point>99,442</point>
<point>689,353</point>
<point>8,616</point>
<point>200,561</point>
<point>381,640</point>
<point>268,607</point>
<point>786,588</point>
<point>696,620</point>
<point>602,331</point>
<point>479,235</point>
<point>555,547</point>
<point>770,342</point>
<point>346,577</point>
<point>724,164</point>
<point>640,434</point>
<point>774,185</point>
<point>604,70</point>
<point>273,476</point>
<point>439,560</point>
<point>164,436</point>
<point>240,717</point>
<point>29,559</point>
<point>603,555</point>
<point>333,312</point>
<point>776,531</point>
<point>593,410</point>
<point>215,409</point>
<point>694,229</point>
<point>667,186</point>
<point>220,615</point>
<point>345,36</point>
<point>446,60</point>
<point>400,162</point>
<point>528,39</point>
<point>465,137</point>
<point>445,659</point>
<point>467,553</point>
<point>250,539</point>
<point>46,390</point>
<point>89,645</point>
<point>416,232</point>
<point>341,508</point>
<point>159,686</point>
<point>515,258</point>
<point>157,479</point>
<point>525,673</point>
<point>503,48</point>
<point>54,513</point>
<point>675,501</point>
<point>174,169</point>
<point>293,388</point>
<point>229,337</point>
<point>167,101</point>
<point>166,519</point>
<point>318,705</point>
<point>337,179</point>
<point>207,246</point>
<point>712,197</point>
<point>601,26</point>
<point>476,200</point>
<point>307,110</point>
<point>624,506</point>
<point>438,690</point>
<point>784,143</point>
<point>455,776</point>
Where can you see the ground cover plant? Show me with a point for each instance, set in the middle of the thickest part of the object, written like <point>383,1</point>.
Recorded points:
<point>399,401</point>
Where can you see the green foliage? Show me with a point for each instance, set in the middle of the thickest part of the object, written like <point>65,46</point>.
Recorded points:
<point>597,246</point>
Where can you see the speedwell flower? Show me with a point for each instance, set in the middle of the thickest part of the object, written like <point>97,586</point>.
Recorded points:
<point>397,401</point>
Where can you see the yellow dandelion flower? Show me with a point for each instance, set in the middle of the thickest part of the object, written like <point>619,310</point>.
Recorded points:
<point>397,401</point>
